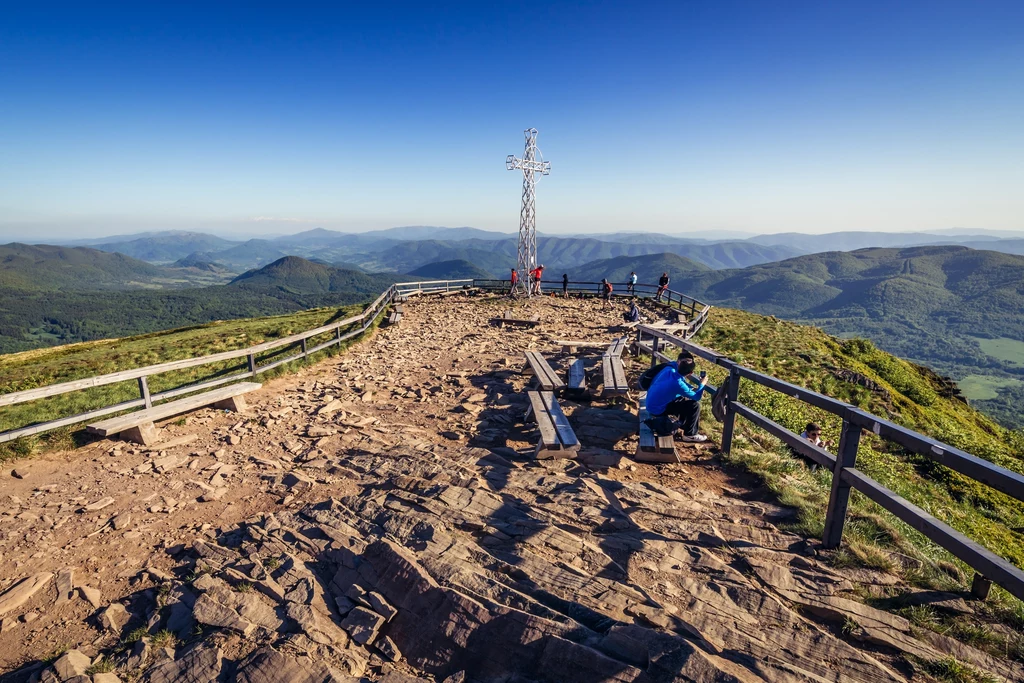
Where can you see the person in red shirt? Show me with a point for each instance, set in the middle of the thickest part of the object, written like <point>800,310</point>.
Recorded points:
<point>536,274</point>
<point>515,281</point>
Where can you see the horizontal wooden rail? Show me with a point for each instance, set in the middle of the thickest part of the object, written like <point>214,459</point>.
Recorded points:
<point>794,441</point>
<point>982,560</point>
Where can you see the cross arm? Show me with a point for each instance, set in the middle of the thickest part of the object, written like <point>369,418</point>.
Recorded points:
<point>513,163</point>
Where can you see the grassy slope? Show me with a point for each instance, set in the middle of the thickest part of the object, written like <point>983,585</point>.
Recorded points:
<point>909,395</point>
<point>43,367</point>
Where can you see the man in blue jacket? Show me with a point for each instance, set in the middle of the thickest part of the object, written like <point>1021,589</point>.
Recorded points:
<point>671,395</point>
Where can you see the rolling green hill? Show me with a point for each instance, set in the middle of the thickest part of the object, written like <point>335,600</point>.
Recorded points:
<point>929,304</point>
<point>34,318</point>
<point>457,269</point>
<point>44,267</point>
<point>647,268</point>
<point>298,276</point>
<point>166,247</point>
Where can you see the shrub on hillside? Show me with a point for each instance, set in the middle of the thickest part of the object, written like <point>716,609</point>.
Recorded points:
<point>898,373</point>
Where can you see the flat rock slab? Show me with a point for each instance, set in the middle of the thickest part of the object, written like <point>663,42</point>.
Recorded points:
<point>22,592</point>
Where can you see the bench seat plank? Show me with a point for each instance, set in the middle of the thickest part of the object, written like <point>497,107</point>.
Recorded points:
<point>614,376</point>
<point>557,439</point>
<point>546,376</point>
<point>116,425</point>
<point>577,376</point>
<point>617,347</point>
<point>653,448</point>
<point>566,435</point>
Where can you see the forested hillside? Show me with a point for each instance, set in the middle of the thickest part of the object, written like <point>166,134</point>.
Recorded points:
<point>30,318</point>
<point>939,306</point>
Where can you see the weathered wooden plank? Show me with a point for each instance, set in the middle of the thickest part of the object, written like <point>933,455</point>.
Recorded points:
<point>547,378</point>
<point>999,478</point>
<point>548,435</point>
<point>614,376</point>
<point>616,348</point>
<point>653,448</point>
<point>74,419</point>
<point>577,376</point>
<point>566,435</point>
<point>156,413</point>
<point>675,340</point>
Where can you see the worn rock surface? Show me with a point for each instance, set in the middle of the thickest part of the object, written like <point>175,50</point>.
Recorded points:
<point>377,517</point>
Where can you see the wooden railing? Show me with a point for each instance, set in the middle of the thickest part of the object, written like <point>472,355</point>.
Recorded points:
<point>343,329</point>
<point>845,475</point>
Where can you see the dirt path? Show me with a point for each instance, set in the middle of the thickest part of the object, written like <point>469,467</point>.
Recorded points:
<point>423,425</point>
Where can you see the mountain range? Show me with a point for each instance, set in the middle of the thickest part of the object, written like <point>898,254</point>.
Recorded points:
<point>404,249</point>
<point>956,309</point>
<point>952,308</point>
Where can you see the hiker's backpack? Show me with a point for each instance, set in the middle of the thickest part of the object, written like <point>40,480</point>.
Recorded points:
<point>647,378</point>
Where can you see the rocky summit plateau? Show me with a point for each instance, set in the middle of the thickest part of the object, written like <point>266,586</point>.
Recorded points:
<point>379,516</point>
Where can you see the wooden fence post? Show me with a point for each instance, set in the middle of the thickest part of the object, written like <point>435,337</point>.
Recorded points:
<point>252,364</point>
<point>305,353</point>
<point>144,392</point>
<point>654,351</point>
<point>839,500</point>
<point>731,387</point>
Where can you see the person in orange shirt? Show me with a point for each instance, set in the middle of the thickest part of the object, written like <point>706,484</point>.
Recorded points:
<point>514,281</point>
<point>536,274</point>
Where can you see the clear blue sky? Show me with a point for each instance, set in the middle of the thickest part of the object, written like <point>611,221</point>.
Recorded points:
<point>676,116</point>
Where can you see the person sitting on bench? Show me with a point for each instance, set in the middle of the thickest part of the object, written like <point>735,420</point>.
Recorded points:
<point>633,314</point>
<point>670,395</point>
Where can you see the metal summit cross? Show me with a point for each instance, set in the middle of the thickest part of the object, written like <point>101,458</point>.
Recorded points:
<point>531,163</point>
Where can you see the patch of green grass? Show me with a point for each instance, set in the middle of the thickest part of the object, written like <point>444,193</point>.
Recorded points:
<point>984,387</point>
<point>243,587</point>
<point>1006,350</point>
<point>42,367</point>
<point>135,635</point>
<point>271,563</point>
<point>24,447</point>
<point>104,666</point>
<point>952,670</point>
<point>164,638</point>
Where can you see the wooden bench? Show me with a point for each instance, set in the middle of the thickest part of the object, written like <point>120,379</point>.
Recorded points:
<point>508,318</point>
<point>546,376</point>
<point>394,317</point>
<point>614,376</point>
<point>653,448</point>
<point>138,426</point>
<point>557,440</point>
<point>577,377</point>
<point>617,347</point>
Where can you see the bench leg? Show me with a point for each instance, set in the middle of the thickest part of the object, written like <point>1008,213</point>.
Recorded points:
<point>146,434</point>
<point>235,403</point>
<point>553,453</point>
